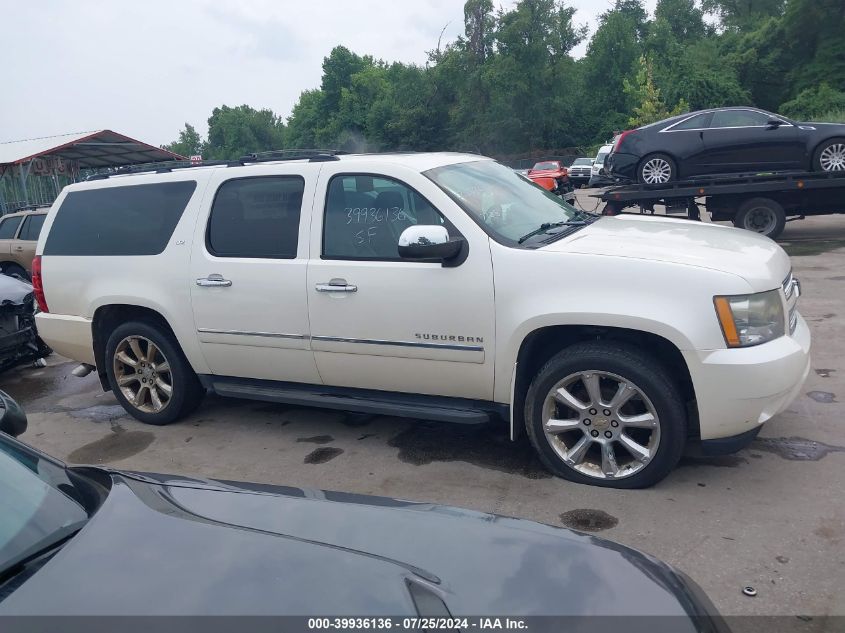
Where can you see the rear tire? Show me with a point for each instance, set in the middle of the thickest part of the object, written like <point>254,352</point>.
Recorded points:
<point>761,215</point>
<point>150,375</point>
<point>830,155</point>
<point>16,270</point>
<point>636,409</point>
<point>656,169</point>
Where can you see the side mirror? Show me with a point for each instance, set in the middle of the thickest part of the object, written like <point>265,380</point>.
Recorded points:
<point>773,124</point>
<point>428,241</point>
<point>12,417</point>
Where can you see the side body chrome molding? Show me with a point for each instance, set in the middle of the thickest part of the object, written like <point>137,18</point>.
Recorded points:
<point>205,330</point>
<point>338,339</point>
<point>368,341</point>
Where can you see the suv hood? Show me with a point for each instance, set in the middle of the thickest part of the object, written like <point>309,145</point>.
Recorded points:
<point>169,546</point>
<point>755,258</point>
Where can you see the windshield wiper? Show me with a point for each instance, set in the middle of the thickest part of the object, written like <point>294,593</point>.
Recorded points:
<point>545,226</point>
<point>49,542</point>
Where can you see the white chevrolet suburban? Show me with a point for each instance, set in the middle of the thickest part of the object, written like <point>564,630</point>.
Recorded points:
<point>438,286</point>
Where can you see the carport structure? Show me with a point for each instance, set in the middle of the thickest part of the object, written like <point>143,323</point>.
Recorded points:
<point>34,171</point>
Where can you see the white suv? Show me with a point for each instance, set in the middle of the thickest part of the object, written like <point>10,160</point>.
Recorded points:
<point>438,286</point>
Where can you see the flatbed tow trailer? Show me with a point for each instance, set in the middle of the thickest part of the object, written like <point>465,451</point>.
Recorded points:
<point>758,202</point>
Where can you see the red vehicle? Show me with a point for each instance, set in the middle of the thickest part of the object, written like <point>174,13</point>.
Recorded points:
<point>551,175</point>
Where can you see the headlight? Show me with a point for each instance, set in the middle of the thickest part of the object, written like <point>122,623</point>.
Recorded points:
<point>750,319</point>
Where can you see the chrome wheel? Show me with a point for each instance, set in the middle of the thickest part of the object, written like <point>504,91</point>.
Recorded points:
<point>601,425</point>
<point>143,374</point>
<point>832,157</point>
<point>656,171</point>
<point>760,220</point>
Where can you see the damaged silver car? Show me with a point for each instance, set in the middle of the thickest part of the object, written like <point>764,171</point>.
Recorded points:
<point>19,340</point>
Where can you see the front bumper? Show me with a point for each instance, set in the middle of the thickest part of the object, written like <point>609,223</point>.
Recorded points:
<point>621,165</point>
<point>19,340</point>
<point>737,390</point>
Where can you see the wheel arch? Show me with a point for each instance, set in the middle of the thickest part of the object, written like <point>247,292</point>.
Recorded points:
<point>818,146</point>
<point>107,317</point>
<point>668,153</point>
<point>539,345</point>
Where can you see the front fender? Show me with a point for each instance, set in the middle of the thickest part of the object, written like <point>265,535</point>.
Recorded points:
<point>537,289</point>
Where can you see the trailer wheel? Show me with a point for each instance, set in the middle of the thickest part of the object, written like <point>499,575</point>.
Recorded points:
<point>761,215</point>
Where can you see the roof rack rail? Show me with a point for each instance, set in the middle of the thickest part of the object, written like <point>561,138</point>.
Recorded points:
<point>313,155</point>
<point>158,168</point>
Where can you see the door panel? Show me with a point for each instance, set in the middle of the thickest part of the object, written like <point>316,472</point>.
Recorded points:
<point>248,272</point>
<point>740,141</point>
<point>413,327</point>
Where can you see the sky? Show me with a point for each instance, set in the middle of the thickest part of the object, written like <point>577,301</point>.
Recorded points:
<point>146,68</point>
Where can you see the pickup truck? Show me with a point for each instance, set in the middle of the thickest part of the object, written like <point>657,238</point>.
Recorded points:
<point>437,285</point>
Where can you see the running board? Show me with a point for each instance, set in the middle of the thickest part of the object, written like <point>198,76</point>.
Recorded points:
<point>403,405</point>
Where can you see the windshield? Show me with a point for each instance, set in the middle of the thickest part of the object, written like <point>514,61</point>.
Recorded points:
<point>546,165</point>
<point>600,158</point>
<point>34,513</point>
<point>504,204</point>
<point>582,161</point>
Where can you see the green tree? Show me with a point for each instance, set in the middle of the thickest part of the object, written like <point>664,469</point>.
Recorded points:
<point>234,132</point>
<point>304,120</point>
<point>188,144</point>
<point>814,43</point>
<point>479,29</point>
<point>650,106</point>
<point>684,19</point>
<point>509,85</point>
<point>814,103</point>
<point>612,57</point>
<point>743,15</point>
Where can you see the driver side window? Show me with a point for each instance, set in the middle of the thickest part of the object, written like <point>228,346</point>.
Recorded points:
<point>366,214</point>
<point>738,118</point>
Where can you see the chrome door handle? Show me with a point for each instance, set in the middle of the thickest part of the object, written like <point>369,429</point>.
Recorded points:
<point>214,279</point>
<point>336,285</point>
<point>19,248</point>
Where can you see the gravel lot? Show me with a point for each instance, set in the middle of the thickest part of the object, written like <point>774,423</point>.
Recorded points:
<point>771,516</point>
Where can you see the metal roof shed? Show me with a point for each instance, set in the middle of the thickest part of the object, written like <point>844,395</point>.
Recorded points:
<point>58,160</point>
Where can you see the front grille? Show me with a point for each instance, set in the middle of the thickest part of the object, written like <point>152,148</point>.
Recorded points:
<point>790,293</point>
<point>788,286</point>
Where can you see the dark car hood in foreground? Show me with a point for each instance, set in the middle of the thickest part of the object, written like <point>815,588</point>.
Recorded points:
<point>159,546</point>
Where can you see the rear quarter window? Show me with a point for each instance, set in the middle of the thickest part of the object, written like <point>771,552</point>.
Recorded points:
<point>32,227</point>
<point>130,220</point>
<point>9,226</point>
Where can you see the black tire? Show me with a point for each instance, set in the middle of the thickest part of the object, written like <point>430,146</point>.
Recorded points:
<point>761,215</point>
<point>646,161</point>
<point>187,391</point>
<point>15,270</point>
<point>632,364</point>
<point>817,155</point>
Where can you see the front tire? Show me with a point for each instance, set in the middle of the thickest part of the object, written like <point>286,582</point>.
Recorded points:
<point>150,375</point>
<point>606,414</point>
<point>656,169</point>
<point>830,155</point>
<point>761,215</point>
